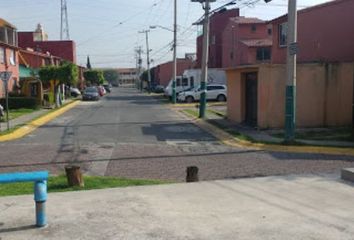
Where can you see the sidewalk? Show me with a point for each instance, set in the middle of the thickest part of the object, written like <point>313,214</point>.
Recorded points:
<point>292,207</point>
<point>255,135</point>
<point>23,119</point>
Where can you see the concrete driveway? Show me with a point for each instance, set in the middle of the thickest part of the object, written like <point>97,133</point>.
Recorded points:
<point>293,207</point>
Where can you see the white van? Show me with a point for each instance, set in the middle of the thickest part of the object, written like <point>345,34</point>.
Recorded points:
<point>182,84</point>
<point>191,78</point>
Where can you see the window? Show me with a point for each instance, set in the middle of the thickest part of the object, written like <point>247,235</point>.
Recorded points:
<point>2,55</point>
<point>283,31</point>
<point>192,81</point>
<point>263,54</point>
<point>184,82</point>
<point>269,31</point>
<point>2,34</point>
<point>12,57</point>
<point>253,28</point>
<point>213,40</point>
<point>10,36</point>
<point>211,88</point>
<point>178,83</point>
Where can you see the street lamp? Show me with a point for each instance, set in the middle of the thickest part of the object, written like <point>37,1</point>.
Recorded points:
<point>203,82</point>
<point>174,71</point>
<point>290,102</point>
<point>162,27</point>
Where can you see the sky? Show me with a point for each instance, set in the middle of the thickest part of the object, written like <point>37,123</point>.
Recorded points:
<point>108,30</point>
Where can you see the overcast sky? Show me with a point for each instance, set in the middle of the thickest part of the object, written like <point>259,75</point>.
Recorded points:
<point>107,30</point>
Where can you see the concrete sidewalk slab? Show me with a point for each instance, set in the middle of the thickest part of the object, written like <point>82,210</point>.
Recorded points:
<point>293,207</point>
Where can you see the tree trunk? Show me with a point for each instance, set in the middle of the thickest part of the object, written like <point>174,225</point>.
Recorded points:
<point>74,176</point>
<point>192,174</point>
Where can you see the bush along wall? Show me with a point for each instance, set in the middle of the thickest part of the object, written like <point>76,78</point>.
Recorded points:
<point>20,102</point>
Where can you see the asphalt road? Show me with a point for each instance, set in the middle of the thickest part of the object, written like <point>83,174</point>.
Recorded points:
<point>129,134</point>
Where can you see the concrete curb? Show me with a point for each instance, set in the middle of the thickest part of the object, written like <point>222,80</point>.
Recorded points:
<point>233,141</point>
<point>33,125</point>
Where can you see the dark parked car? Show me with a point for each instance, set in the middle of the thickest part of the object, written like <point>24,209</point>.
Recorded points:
<point>158,89</point>
<point>91,93</point>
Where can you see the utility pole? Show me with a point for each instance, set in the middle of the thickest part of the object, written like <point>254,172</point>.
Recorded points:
<point>290,103</point>
<point>64,21</point>
<point>205,59</point>
<point>139,51</point>
<point>174,100</point>
<point>147,57</point>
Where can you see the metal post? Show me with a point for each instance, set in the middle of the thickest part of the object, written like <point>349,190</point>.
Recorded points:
<point>40,197</point>
<point>7,103</point>
<point>202,105</point>
<point>290,104</point>
<point>174,100</point>
<point>353,108</point>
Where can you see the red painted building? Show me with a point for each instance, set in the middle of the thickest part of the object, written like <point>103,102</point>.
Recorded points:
<point>163,72</point>
<point>8,55</point>
<point>246,41</point>
<point>325,33</point>
<point>38,40</point>
<point>218,23</point>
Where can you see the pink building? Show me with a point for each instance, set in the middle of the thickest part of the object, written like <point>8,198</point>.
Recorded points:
<point>9,60</point>
<point>246,41</point>
<point>163,72</point>
<point>325,33</point>
<point>38,40</point>
<point>218,23</point>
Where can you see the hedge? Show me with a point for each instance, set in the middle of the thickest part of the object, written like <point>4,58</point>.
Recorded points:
<point>20,102</point>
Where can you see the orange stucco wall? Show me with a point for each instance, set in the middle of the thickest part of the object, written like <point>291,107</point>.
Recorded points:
<point>324,95</point>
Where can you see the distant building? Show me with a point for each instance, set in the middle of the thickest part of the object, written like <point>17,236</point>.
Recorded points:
<point>9,60</point>
<point>38,40</point>
<point>163,72</point>
<point>218,23</point>
<point>127,76</point>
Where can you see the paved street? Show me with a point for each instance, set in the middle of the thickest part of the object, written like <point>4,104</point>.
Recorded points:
<point>129,134</point>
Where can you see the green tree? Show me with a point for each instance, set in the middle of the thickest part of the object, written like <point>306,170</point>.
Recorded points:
<point>67,74</point>
<point>111,76</point>
<point>88,64</point>
<point>94,77</point>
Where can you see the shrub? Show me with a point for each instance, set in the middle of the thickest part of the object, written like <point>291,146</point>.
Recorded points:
<point>20,102</point>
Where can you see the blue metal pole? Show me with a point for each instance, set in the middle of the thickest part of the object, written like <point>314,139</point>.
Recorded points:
<point>40,197</point>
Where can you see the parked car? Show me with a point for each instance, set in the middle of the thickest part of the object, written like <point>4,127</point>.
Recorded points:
<point>158,89</point>
<point>91,93</point>
<point>108,87</point>
<point>101,91</point>
<point>75,92</point>
<point>214,92</point>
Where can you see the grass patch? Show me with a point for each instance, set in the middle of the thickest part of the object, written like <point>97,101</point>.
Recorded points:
<point>191,112</point>
<point>59,184</point>
<point>15,113</point>
<point>331,134</point>
<point>217,113</point>
<point>5,132</point>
